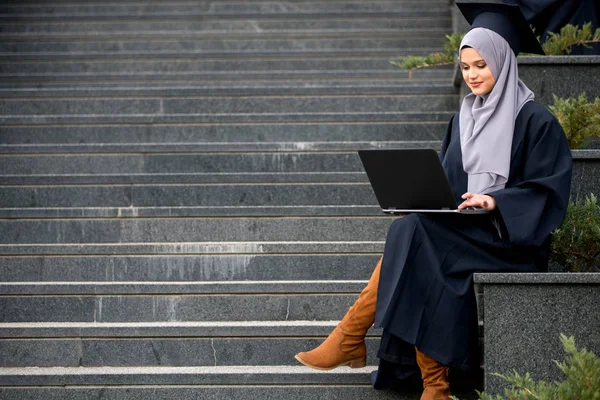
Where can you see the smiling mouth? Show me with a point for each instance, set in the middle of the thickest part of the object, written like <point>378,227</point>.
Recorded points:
<point>476,83</point>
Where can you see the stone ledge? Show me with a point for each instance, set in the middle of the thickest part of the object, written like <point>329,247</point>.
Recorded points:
<point>537,278</point>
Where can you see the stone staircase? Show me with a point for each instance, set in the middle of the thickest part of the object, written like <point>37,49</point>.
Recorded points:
<point>182,208</point>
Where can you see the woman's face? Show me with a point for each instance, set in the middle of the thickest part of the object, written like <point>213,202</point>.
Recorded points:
<point>476,73</point>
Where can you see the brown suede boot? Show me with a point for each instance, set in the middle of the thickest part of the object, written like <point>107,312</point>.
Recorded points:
<point>435,378</point>
<point>346,344</point>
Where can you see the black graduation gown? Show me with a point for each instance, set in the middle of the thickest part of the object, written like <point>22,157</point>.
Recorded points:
<point>425,296</point>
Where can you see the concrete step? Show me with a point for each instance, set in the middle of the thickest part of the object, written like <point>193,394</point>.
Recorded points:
<point>259,89</point>
<point>208,10</point>
<point>175,230</point>
<point>186,248</point>
<point>95,35</point>
<point>167,165</point>
<point>304,54</point>
<point>211,105</point>
<point>272,263</point>
<point>174,196</point>
<point>176,307</point>
<point>269,68</point>
<point>103,288</point>
<point>218,137</point>
<point>279,25</point>
<point>228,375</point>
<point>225,45</point>
<point>198,329</point>
<point>191,351</point>
<point>325,390</point>
<point>228,83</point>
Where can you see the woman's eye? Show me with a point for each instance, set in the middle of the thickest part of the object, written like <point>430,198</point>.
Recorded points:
<point>481,66</point>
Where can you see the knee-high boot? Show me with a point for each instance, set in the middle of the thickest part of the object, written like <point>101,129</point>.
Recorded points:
<point>435,378</point>
<point>346,344</point>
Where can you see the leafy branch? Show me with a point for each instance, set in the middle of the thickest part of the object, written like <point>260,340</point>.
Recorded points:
<point>579,119</point>
<point>569,36</point>
<point>447,57</point>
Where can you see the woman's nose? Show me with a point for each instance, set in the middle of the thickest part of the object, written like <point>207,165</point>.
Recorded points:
<point>472,73</point>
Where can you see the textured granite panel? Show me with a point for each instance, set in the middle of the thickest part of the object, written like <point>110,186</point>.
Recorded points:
<point>221,307</point>
<point>182,288</point>
<point>327,67</point>
<point>180,352</point>
<point>325,88</point>
<point>188,195</point>
<point>193,230</point>
<point>526,278</point>
<point>230,375</point>
<point>225,9</point>
<point>117,164</point>
<point>198,248</point>
<point>238,46</point>
<point>46,309</point>
<point>523,321</point>
<point>331,392</point>
<point>187,268</point>
<point>565,76</point>
<point>204,329</point>
<point>586,173</point>
<point>227,105</point>
<point>127,137</point>
<point>359,116</point>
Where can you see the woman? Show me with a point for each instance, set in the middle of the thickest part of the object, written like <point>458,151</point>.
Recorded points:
<point>502,152</point>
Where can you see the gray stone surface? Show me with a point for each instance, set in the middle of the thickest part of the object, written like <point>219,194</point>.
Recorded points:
<point>285,8</point>
<point>586,170</point>
<point>204,329</point>
<point>148,308</point>
<point>313,392</point>
<point>199,137</point>
<point>194,288</point>
<point>193,229</point>
<point>192,352</point>
<point>188,196</point>
<point>224,45</point>
<point>229,375</point>
<point>191,267</point>
<point>387,85</point>
<point>197,248</point>
<point>166,27</point>
<point>564,76</point>
<point>224,105</point>
<point>522,323</point>
<point>250,117</point>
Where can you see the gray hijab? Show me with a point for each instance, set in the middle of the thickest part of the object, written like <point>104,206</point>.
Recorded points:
<point>487,122</point>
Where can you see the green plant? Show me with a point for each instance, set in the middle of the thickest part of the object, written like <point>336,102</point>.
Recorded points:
<point>582,372</point>
<point>576,244</point>
<point>448,56</point>
<point>569,36</point>
<point>556,44</point>
<point>579,119</point>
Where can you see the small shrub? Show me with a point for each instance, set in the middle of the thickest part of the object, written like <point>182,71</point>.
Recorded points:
<point>448,56</point>
<point>579,119</point>
<point>569,36</point>
<point>576,244</point>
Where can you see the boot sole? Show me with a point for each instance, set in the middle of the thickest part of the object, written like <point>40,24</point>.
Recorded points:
<point>355,363</point>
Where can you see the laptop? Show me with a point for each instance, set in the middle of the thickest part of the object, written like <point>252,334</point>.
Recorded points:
<point>410,181</point>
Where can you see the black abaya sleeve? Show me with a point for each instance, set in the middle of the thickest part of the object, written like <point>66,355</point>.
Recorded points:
<point>535,199</point>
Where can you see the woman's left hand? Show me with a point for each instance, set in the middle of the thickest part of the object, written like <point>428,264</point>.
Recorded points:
<point>478,200</point>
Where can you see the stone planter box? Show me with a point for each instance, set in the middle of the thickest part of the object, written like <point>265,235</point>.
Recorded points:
<point>565,76</point>
<point>586,174</point>
<point>524,315</point>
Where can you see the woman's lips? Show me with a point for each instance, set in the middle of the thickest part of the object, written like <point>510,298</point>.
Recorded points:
<point>475,84</point>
